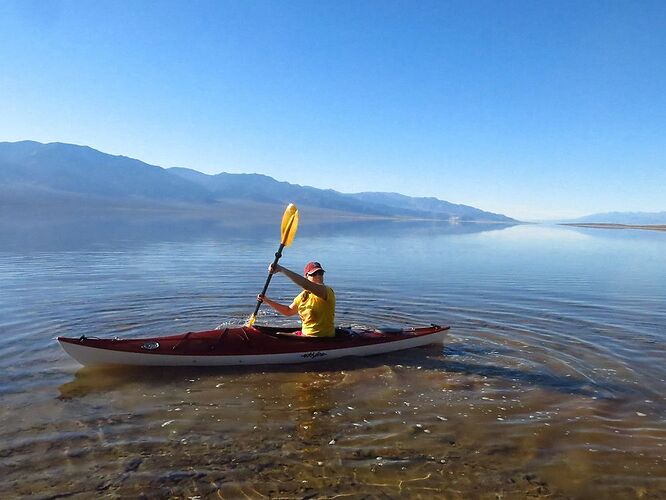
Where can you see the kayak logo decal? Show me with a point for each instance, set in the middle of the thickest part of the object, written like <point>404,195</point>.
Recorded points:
<point>315,354</point>
<point>150,346</point>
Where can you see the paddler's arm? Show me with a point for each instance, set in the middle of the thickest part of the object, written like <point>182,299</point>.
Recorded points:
<point>319,290</point>
<point>281,308</point>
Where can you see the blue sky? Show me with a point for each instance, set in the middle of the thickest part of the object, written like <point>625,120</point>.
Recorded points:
<point>533,109</point>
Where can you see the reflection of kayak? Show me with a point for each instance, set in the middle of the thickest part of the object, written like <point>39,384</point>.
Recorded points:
<point>246,346</point>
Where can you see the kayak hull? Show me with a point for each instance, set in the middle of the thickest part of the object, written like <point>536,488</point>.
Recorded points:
<point>246,346</point>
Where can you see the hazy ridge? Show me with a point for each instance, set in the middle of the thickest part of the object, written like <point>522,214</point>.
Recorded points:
<point>637,218</point>
<point>58,174</point>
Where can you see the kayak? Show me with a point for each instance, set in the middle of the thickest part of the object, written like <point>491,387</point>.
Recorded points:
<point>247,345</point>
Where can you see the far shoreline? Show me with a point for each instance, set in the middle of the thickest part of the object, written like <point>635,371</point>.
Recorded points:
<point>242,211</point>
<point>603,225</point>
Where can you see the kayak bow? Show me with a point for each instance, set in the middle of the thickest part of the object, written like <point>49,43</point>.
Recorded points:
<point>255,345</point>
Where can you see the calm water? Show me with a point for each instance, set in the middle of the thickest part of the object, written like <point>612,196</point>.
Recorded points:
<point>550,384</point>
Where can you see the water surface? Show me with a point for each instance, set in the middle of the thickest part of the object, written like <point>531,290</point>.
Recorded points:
<point>550,384</point>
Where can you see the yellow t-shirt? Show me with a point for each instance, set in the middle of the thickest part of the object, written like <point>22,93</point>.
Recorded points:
<point>317,315</point>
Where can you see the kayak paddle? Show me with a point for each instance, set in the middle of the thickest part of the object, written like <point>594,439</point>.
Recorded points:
<point>288,232</point>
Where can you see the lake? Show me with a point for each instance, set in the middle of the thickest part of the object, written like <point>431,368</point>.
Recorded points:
<point>551,382</point>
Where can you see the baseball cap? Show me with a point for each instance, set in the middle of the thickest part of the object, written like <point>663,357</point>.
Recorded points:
<point>312,267</point>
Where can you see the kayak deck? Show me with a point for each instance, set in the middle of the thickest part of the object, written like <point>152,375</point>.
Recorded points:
<point>246,346</point>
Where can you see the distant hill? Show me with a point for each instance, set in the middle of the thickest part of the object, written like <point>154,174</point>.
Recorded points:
<point>258,187</point>
<point>640,218</point>
<point>263,187</point>
<point>31,170</point>
<point>65,174</point>
<point>433,206</point>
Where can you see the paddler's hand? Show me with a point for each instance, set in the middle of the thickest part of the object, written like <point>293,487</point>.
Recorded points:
<point>262,298</point>
<point>274,268</point>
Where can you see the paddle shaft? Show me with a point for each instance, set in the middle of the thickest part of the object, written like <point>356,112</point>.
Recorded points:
<point>287,237</point>
<point>278,254</point>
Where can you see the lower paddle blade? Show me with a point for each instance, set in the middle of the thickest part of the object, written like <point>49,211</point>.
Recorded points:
<point>251,321</point>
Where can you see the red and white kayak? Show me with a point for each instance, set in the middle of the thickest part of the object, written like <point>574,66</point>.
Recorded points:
<point>256,345</point>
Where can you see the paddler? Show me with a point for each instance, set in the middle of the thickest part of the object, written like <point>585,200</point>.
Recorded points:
<point>315,304</point>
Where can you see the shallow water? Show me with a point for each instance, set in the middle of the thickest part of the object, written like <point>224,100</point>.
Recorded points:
<point>551,382</point>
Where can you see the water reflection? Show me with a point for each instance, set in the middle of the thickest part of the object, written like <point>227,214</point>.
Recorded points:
<point>64,232</point>
<point>59,232</point>
<point>307,379</point>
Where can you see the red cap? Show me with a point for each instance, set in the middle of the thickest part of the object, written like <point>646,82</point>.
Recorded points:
<point>312,267</point>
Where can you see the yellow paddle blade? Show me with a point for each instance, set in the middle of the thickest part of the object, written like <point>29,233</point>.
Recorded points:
<point>251,321</point>
<point>289,224</point>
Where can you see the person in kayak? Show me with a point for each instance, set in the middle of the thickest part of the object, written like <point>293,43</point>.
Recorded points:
<point>315,304</point>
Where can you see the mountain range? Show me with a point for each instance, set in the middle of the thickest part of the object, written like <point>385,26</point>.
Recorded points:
<point>58,174</point>
<point>635,218</point>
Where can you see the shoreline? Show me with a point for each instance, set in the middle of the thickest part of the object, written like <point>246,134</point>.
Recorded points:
<point>602,225</point>
<point>247,211</point>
